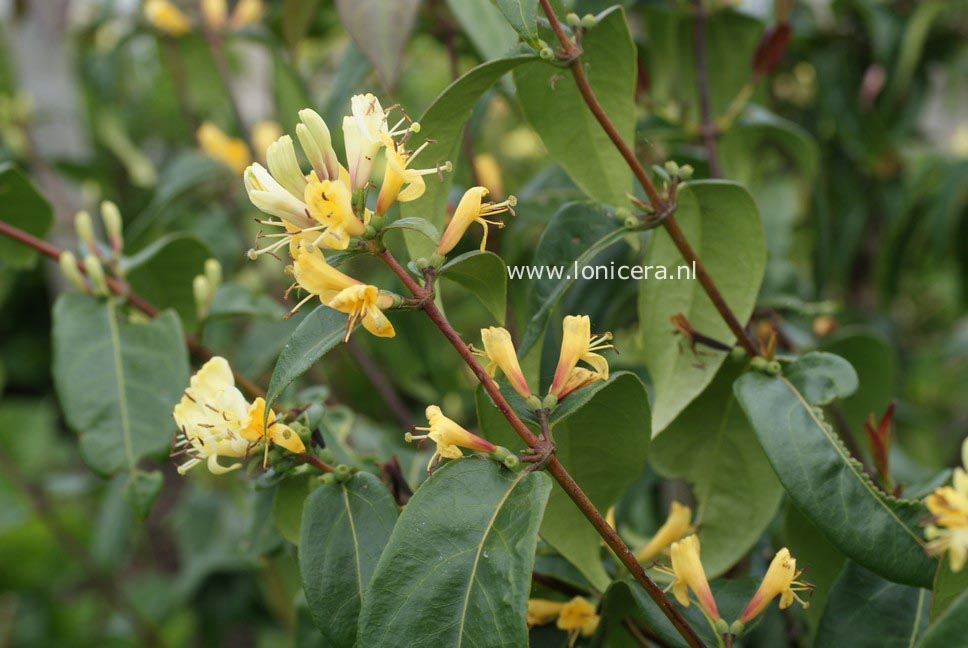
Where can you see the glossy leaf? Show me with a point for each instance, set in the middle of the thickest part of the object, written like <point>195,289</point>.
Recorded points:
<point>381,29</point>
<point>25,209</point>
<point>457,568</point>
<point>485,275</point>
<point>829,486</point>
<point>345,527</point>
<point>117,381</point>
<point>713,447</point>
<point>721,222</point>
<point>162,273</point>
<point>416,224</point>
<point>315,336</point>
<point>522,15</point>
<point>866,611</point>
<point>442,124</point>
<point>574,138</point>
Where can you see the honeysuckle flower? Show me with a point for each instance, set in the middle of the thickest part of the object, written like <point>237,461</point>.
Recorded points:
<point>167,18</point>
<point>449,436</point>
<point>230,151</point>
<point>578,344</point>
<point>689,575</point>
<point>247,12</point>
<point>780,579</point>
<point>264,133</point>
<point>266,193</point>
<point>361,302</point>
<point>331,205</point>
<point>499,350</point>
<point>315,139</point>
<point>542,611</point>
<point>363,133</point>
<point>398,173</point>
<point>678,524</point>
<point>215,420</point>
<point>948,530</point>
<point>472,209</point>
<point>578,616</point>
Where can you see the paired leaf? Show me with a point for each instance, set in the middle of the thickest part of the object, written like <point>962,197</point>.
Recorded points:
<point>457,568</point>
<point>117,381</point>
<point>485,275</point>
<point>712,445</point>
<point>721,222</point>
<point>24,208</point>
<point>381,29</point>
<point>162,273</point>
<point>864,610</point>
<point>315,336</point>
<point>829,486</point>
<point>574,137</point>
<point>345,527</point>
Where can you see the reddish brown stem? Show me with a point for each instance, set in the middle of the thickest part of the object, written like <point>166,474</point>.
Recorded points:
<point>572,53</point>
<point>554,467</point>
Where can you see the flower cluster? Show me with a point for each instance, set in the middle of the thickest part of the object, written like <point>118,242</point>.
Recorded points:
<point>450,437</point>
<point>215,420</point>
<point>576,617</point>
<point>948,529</point>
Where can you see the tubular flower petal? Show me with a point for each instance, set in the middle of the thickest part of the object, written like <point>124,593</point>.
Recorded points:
<point>780,579</point>
<point>230,151</point>
<point>362,303</point>
<point>264,134</point>
<point>284,167</point>
<point>578,344</point>
<point>578,616</point>
<point>948,531</point>
<point>449,437</point>
<point>167,18</point>
<point>689,575</point>
<point>267,194</point>
<point>499,350</point>
<point>677,525</point>
<point>543,611</point>
<point>214,420</point>
<point>471,209</point>
<point>317,143</point>
<point>398,173</point>
<point>331,205</point>
<point>363,135</point>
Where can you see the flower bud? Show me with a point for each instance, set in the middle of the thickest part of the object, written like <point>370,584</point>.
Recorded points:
<point>85,230</point>
<point>213,272</point>
<point>534,402</point>
<point>546,53</point>
<point>68,266</point>
<point>588,21</point>
<point>737,628</point>
<point>759,363</point>
<point>113,225</point>
<point>686,171</point>
<point>95,272</point>
<point>672,168</point>
<point>773,367</point>
<point>202,292</point>
<point>550,402</point>
<point>342,472</point>
<point>573,20</point>
<point>328,479</point>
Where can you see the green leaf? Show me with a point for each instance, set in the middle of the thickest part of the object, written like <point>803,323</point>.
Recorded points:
<point>297,18</point>
<point>485,275</point>
<point>315,336</point>
<point>574,236</point>
<point>345,527</point>
<point>523,16</point>
<point>603,445</point>
<point>721,222</point>
<point>486,27</point>
<point>872,357</point>
<point>948,629</point>
<point>141,490</point>
<point>234,300</point>
<point>457,569</point>
<point>162,273</point>
<point>287,506</point>
<point>24,208</point>
<point>573,137</point>
<point>740,145</point>
<point>442,125</point>
<point>866,611</point>
<point>948,585</point>
<point>117,381</point>
<point>712,446</point>
<point>381,29</point>
<point>829,486</point>
<point>416,224</point>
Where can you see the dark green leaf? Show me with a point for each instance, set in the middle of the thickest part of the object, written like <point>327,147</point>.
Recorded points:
<point>573,137</point>
<point>381,29</point>
<point>829,486</point>
<point>162,273</point>
<point>523,15</point>
<point>315,336</point>
<point>24,208</point>
<point>345,527</point>
<point>866,611</point>
<point>287,506</point>
<point>873,359</point>
<point>117,381</point>
<point>721,222</point>
<point>457,569</point>
<point>485,275</point>
<point>233,300</point>
<point>948,585</point>
<point>142,489</point>
<point>950,627</point>
<point>713,447</point>
<point>297,18</point>
<point>416,224</point>
<point>485,26</point>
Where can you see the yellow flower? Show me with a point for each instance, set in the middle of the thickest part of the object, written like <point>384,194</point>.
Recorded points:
<point>317,143</point>
<point>363,133</point>
<point>542,611</point>
<point>264,134</point>
<point>578,344</point>
<point>578,616</point>
<point>331,205</point>
<point>166,17</point>
<point>247,12</point>
<point>214,12</point>
<point>361,302</point>
<point>214,420</point>
<point>266,193</point>
<point>489,173</point>
<point>449,437</point>
<point>689,575</point>
<point>230,151</point>
<point>948,531</point>
<point>398,173</point>
<point>780,579</point>
<point>471,209</point>
<point>499,350</point>
<point>676,526</point>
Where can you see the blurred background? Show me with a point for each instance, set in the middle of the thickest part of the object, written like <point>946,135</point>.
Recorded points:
<point>863,192</point>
